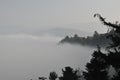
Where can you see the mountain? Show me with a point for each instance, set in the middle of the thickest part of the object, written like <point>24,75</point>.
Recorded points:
<point>97,39</point>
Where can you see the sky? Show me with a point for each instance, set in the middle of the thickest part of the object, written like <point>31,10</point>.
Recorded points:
<point>29,15</point>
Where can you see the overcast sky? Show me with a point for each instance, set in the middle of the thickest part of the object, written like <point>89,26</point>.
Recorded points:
<point>34,14</point>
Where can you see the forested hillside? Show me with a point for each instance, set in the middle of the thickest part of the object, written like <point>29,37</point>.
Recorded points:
<point>97,39</point>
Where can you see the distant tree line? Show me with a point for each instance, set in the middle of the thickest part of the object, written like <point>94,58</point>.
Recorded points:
<point>96,39</point>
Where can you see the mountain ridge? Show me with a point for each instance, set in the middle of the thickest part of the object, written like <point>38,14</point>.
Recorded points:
<point>95,40</point>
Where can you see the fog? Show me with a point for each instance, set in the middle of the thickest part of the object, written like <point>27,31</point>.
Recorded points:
<point>31,29</point>
<point>25,56</point>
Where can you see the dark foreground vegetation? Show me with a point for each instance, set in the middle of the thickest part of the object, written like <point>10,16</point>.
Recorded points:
<point>102,66</point>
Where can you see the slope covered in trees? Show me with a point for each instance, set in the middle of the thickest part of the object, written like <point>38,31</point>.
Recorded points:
<point>96,39</point>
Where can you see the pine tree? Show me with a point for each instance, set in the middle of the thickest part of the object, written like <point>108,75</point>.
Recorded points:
<point>69,74</point>
<point>97,68</point>
<point>113,57</point>
<point>53,75</point>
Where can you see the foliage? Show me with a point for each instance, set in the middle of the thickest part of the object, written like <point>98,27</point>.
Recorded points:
<point>53,75</point>
<point>96,69</point>
<point>69,74</point>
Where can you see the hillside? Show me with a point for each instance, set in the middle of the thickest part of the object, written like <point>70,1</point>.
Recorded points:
<point>97,39</point>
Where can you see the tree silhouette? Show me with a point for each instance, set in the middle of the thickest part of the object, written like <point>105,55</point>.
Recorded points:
<point>99,62</point>
<point>96,68</point>
<point>96,34</point>
<point>69,74</point>
<point>42,78</point>
<point>116,28</point>
<point>53,75</point>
